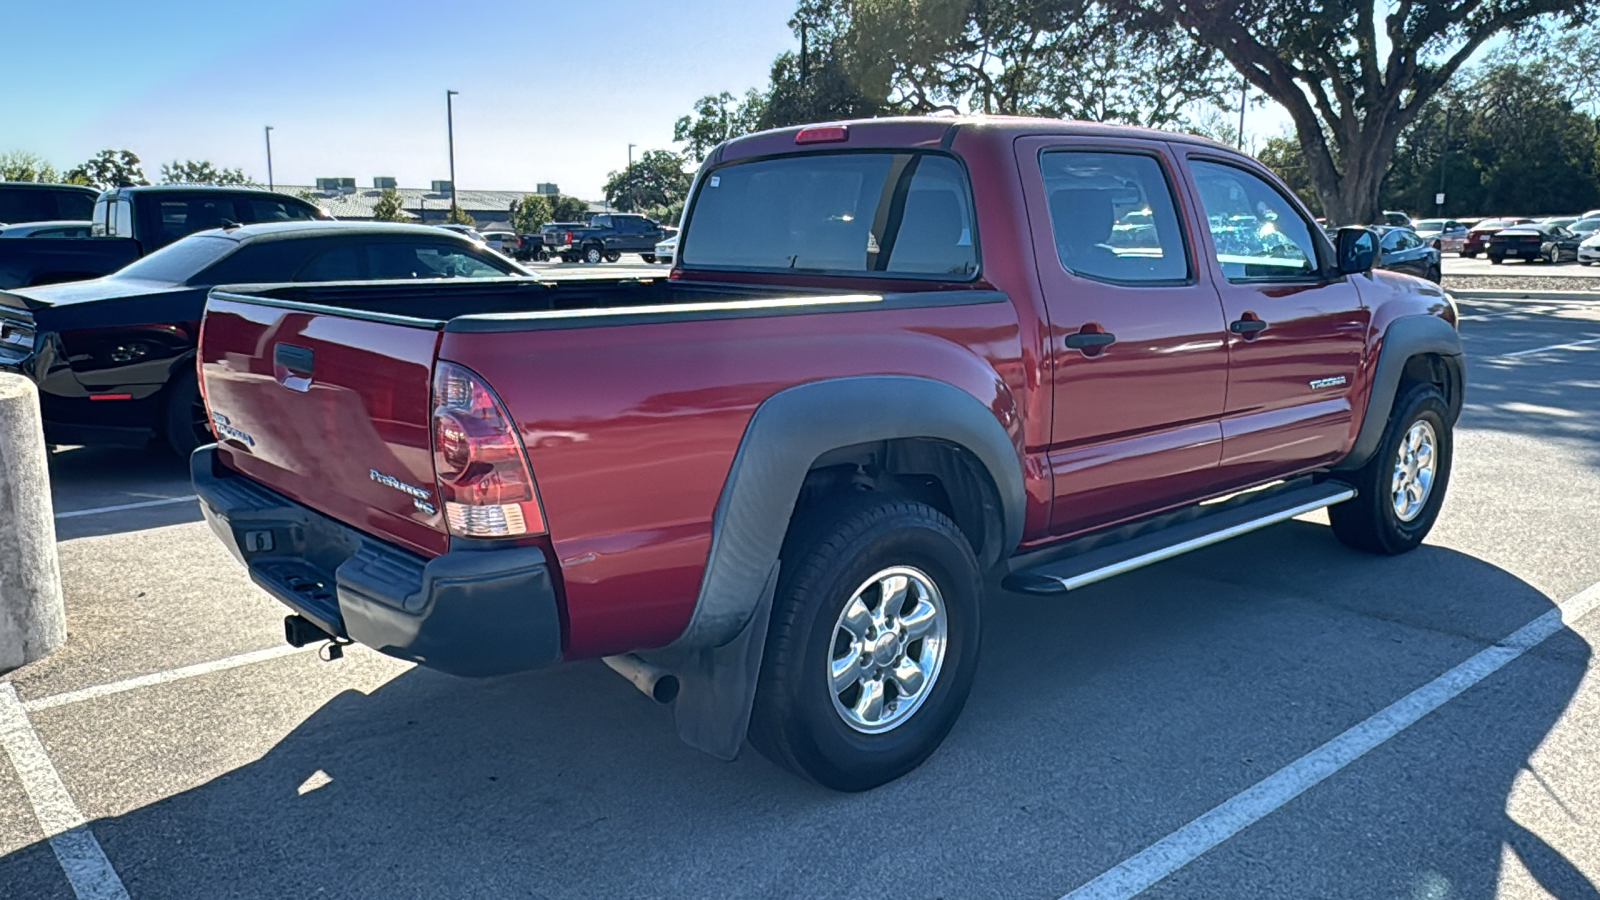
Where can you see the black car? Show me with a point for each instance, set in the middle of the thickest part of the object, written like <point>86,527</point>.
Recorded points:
<point>609,235</point>
<point>114,356</point>
<point>1551,243</point>
<point>27,201</point>
<point>1403,250</point>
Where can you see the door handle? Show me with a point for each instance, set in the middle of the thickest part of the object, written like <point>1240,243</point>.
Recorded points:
<point>1086,340</point>
<point>1248,326</point>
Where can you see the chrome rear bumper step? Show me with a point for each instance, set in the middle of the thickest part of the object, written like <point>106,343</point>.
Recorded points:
<point>1071,572</point>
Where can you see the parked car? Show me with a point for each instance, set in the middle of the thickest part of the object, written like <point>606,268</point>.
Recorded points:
<point>502,242</point>
<point>666,251</point>
<point>115,361</point>
<point>557,240</point>
<point>1478,236</point>
<point>1396,219</point>
<point>1446,235</point>
<point>1403,250</point>
<point>16,333</point>
<point>127,223</point>
<point>1584,227</point>
<point>1589,249</point>
<point>466,231</point>
<point>61,228</point>
<point>894,376</point>
<point>28,201</point>
<point>1563,221</point>
<point>1550,243</point>
<point>609,235</point>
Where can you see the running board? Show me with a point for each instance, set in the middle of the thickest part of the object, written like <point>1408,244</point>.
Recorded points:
<point>1080,570</point>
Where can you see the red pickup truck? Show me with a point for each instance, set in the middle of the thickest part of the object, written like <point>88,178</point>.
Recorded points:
<point>894,358</point>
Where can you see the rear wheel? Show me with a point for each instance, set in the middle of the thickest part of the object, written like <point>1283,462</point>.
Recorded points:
<point>1436,274</point>
<point>1402,487</point>
<point>593,255</point>
<point>873,642</point>
<point>186,426</point>
<point>1496,260</point>
<point>648,257</point>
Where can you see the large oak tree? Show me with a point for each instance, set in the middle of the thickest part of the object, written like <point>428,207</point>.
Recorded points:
<point>1353,74</point>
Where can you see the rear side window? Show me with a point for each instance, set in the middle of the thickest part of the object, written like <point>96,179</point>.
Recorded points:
<point>43,204</point>
<point>1255,230</point>
<point>839,213</point>
<point>1113,216</point>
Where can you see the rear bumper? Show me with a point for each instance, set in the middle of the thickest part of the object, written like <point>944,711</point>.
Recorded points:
<point>471,611</point>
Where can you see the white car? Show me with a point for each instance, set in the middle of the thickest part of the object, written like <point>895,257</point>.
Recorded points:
<point>1589,250</point>
<point>667,251</point>
<point>61,228</point>
<point>502,242</point>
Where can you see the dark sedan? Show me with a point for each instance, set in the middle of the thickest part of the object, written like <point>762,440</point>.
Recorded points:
<point>1478,237</point>
<point>1403,250</point>
<point>1551,243</point>
<point>114,356</point>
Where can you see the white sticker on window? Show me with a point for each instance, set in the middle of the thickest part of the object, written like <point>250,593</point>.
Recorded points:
<point>716,180</point>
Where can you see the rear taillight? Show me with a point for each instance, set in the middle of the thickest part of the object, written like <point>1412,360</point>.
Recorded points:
<point>483,475</point>
<point>569,238</point>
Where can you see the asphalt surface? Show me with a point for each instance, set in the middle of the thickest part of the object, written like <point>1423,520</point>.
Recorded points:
<point>1451,264</point>
<point>1097,726</point>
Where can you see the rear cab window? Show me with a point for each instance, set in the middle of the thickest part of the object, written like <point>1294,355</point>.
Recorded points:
<point>847,213</point>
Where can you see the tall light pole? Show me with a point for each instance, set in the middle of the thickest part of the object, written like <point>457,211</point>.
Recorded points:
<point>450,131</point>
<point>269,157</point>
<point>633,200</point>
<point>1244,94</point>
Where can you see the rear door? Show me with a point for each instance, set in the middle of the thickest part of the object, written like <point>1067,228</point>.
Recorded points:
<point>332,411</point>
<point>1138,360</point>
<point>1296,329</point>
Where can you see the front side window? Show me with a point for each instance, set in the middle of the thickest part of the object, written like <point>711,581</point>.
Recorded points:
<point>1113,216</point>
<point>837,213</point>
<point>1256,233</point>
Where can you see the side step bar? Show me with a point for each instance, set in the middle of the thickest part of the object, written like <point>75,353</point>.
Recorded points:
<point>1080,570</point>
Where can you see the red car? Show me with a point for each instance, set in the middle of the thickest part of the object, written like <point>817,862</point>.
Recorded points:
<point>1478,235</point>
<point>895,357</point>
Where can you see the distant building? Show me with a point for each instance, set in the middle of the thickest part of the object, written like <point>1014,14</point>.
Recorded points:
<point>490,209</point>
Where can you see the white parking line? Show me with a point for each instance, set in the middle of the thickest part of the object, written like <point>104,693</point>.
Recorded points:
<point>1551,347</point>
<point>122,506</point>
<point>86,866</point>
<point>117,687</point>
<point>1147,867</point>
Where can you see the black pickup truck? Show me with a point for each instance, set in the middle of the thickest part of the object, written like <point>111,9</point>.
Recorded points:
<point>129,222</point>
<point>609,235</point>
<point>28,201</point>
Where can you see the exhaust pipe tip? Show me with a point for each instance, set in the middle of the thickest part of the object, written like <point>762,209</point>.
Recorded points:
<point>653,681</point>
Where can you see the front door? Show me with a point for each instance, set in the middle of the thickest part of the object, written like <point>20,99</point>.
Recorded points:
<point>1136,334</point>
<point>1297,329</point>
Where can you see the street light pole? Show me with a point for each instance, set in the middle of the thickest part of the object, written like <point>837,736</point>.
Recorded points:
<point>450,131</point>
<point>633,199</point>
<point>1244,94</point>
<point>269,157</point>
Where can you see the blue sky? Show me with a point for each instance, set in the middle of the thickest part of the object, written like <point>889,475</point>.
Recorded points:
<point>356,88</point>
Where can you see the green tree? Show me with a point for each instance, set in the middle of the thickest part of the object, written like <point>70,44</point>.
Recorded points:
<point>529,213</point>
<point>192,171</point>
<point>717,118</point>
<point>568,209</point>
<point>1282,155</point>
<point>1352,74</point>
<point>459,216</point>
<point>109,169</point>
<point>390,208</point>
<point>655,179</point>
<point>20,165</point>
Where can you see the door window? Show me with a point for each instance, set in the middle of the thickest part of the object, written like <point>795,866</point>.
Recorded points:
<point>1256,232</point>
<point>396,260</point>
<point>1113,216</point>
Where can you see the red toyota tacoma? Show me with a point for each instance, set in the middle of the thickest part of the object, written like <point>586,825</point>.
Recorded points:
<point>894,358</point>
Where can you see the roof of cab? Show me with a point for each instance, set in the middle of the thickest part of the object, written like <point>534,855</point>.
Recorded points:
<point>272,231</point>
<point>938,131</point>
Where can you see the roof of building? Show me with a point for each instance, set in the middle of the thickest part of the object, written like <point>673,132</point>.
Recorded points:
<point>358,204</point>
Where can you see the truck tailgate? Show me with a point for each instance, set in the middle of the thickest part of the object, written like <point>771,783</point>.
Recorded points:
<point>332,411</point>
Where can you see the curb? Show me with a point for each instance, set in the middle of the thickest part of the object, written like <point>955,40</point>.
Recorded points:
<point>1476,294</point>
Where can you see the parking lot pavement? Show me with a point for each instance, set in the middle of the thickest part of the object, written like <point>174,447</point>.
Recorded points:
<point>1451,264</point>
<point>1099,728</point>
<point>630,266</point>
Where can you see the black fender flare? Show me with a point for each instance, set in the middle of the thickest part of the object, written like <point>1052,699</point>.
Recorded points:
<point>1405,338</point>
<point>718,656</point>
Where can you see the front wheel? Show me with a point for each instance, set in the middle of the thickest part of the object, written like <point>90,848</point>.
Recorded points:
<point>873,642</point>
<point>1496,260</point>
<point>649,258</point>
<point>613,257</point>
<point>1436,274</point>
<point>1402,487</point>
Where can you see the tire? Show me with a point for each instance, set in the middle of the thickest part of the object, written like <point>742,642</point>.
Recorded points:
<point>593,255</point>
<point>649,258</point>
<point>1372,521</point>
<point>543,256</point>
<point>185,424</point>
<point>1436,274</point>
<point>613,257</point>
<point>832,560</point>
<point>1465,255</point>
<point>1496,260</point>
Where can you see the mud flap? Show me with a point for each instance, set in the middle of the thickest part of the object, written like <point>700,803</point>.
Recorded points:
<point>717,685</point>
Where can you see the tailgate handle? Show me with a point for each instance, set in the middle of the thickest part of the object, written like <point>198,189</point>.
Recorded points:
<point>291,366</point>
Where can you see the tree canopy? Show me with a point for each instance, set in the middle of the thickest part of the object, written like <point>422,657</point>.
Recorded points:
<point>530,213</point>
<point>459,216</point>
<point>389,207</point>
<point>656,179</point>
<point>568,209</point>
<point>109,169</point>
<point>20,165</point>
<point>191,171</point>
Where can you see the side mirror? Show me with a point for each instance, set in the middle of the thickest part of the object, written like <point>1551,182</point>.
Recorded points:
<point>1356,250</point>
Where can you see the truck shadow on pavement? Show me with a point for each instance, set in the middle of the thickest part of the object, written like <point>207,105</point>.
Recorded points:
<point>1097,726</point>
<point>92,478</point>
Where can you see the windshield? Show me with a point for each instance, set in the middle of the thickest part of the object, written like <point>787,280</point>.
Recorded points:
<point>179,261</point>
<point>843,213</point>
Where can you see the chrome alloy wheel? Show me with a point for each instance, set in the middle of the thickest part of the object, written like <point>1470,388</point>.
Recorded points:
<point>1414,468</point>
<point>888,647</point>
